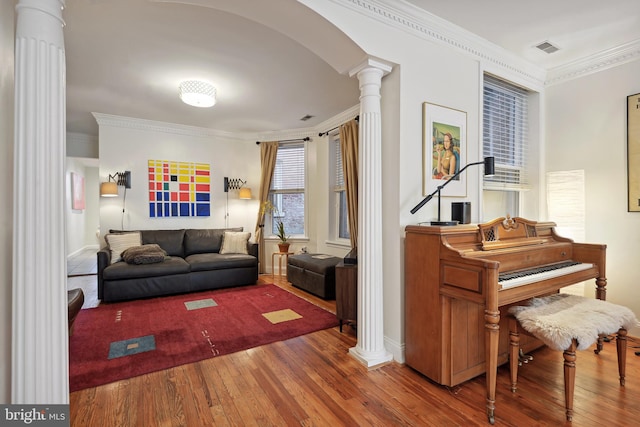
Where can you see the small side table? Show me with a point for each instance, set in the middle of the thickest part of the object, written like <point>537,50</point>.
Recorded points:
<point>346,293</point>
<point>273,264</point>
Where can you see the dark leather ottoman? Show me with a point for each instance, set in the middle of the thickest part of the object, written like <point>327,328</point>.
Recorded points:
<point>314,273</point>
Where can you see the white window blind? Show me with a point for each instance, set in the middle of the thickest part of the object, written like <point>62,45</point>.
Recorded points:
<point>289,172</point>
<point>339,170</point>
<point>288,189</point>
<point>339,215</point>
<point>505,108</point>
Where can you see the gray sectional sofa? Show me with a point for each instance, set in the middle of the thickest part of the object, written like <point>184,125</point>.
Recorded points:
<point>193,262</point>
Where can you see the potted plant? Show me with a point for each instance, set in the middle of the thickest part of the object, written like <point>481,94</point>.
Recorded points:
<point>282,235</point>
<point>283,245</point>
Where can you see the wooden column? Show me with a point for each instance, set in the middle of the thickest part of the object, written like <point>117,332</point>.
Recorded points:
<point>370,349</point>
<point>39,335</point>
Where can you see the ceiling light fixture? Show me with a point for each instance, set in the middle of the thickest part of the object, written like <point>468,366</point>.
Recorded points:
<point>197,93</point>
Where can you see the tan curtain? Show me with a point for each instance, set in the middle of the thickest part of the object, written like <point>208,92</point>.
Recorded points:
<point>349,151</point>
<point>268,153</point>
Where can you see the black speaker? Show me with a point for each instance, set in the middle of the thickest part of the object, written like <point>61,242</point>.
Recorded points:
<point>461,212</point>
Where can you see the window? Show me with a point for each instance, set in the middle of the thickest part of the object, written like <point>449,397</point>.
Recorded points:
<point>287,189</point>
<point>505,137</point>
<point>339,219</point>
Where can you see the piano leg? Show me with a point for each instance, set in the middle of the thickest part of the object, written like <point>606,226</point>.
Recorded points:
<point>492,336</point>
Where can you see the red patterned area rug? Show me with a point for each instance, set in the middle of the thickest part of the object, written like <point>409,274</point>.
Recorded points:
<point>123,340</point>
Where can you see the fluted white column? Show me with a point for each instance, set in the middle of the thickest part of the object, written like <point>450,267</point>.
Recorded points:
<point>39,333</point>
<point>370,349</point>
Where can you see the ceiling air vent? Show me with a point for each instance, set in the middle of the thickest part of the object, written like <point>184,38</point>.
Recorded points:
<point>307,117</point>
<point>547,47</point>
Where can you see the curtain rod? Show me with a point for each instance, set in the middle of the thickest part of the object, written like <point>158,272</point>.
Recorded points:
<point>356,118</point>
<point>291,140</point>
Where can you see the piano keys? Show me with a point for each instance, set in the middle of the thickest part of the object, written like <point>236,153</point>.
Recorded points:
<point>531,275</point>
<point>456,288</point>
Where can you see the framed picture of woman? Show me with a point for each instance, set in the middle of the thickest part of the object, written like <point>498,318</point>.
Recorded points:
<point>444,147</point>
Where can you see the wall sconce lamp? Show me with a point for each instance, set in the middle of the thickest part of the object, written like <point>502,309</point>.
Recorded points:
<point>110,188</point>
<point>243,193</point>
<point>237,184</point>
<point>489,170</point>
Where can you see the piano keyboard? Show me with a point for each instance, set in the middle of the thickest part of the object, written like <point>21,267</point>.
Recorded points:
<point>518,278</point>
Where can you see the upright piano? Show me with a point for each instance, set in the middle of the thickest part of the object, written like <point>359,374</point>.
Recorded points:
<point>459,279</point>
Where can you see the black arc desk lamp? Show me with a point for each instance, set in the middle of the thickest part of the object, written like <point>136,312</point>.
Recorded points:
<point>489,170</point>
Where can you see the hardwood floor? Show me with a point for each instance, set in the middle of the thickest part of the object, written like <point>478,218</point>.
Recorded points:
<point>312,381</point>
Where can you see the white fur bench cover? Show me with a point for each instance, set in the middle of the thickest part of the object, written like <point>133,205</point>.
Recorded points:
<point>559,318</point>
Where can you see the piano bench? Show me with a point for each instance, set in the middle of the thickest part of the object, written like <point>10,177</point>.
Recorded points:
<point>568,323</point>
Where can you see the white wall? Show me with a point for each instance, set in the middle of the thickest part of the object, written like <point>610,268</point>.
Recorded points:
<point>123,147</point>
<point>586,129</point>
<point>6,189</point>
<point>82,224</point>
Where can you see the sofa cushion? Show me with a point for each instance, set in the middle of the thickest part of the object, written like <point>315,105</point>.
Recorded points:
<point>122,270</point>
<point>215,261</point>
<point>169,240</point>
<point>144,254</point>
<point>235,242</point>
<point>120,242</point>
<point>201,241</point>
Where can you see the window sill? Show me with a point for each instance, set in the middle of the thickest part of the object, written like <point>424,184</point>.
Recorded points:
<point>290,239</point>
<point>338,244</point>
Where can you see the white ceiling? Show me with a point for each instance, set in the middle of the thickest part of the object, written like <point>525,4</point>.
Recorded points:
<point>127,57</point>
<point>580,28</point>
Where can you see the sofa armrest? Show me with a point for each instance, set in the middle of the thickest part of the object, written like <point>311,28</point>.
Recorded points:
<point>104,259</point>
<point>252,249</point>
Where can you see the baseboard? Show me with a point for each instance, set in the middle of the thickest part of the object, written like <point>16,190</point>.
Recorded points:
<point>84,248</point>
<point>396,349</point>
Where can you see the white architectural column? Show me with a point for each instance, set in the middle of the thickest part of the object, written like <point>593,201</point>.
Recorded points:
<point>370,348</point>
<point>39,333</point>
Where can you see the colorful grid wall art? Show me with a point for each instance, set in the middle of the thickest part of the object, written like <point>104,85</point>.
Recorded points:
<point>178,189</point>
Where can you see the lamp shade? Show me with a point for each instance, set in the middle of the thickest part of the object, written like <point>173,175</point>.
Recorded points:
<point>489,166</point>
<point>244,193</point>
<point>109,189</point>
<point>197,93</point>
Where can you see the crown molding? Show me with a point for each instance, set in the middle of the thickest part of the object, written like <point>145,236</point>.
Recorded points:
<point>601,61</point>
<point>339,119</point>
<point>412,19</point>
<point>312,132</point>
<point>421,23</point>
<point>155,126</point>
<point>152,125</point>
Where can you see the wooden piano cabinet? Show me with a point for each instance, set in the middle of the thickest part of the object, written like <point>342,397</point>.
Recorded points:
<point>444,335</point>
<point>346,293</point>
<point>455,303</point>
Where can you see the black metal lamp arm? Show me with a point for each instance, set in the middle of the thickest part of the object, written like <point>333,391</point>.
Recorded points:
<point>488,165</point>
